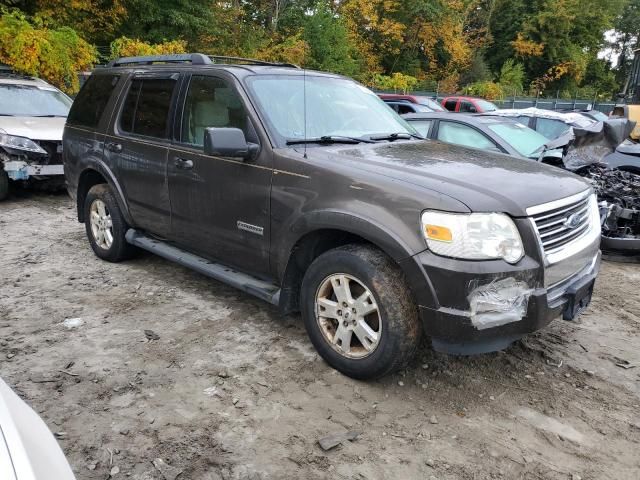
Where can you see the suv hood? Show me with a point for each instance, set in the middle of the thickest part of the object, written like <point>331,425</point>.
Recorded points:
<point>483,181</point>
<point>35,128</point>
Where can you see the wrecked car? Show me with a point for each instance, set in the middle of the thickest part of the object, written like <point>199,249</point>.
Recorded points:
<point>32,117</point>
<point>304,189</point>
<point>604,154</point>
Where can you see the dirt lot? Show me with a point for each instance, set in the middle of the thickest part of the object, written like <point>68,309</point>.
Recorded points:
<point>231,390</point>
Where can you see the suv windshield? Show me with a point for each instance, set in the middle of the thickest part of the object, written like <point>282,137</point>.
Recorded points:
<point>525,141</point>
<point>31,101</point>
<point>335,107</point>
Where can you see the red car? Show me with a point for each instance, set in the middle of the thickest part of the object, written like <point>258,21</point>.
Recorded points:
<point>468,105</point>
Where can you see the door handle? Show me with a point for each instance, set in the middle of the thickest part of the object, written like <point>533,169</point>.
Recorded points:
<point>114,147</point>
<point>183,164</point>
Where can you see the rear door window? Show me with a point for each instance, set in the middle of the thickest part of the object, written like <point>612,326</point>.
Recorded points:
<point>91,101</point>
<point>147,106</point>
<point>459,134</point>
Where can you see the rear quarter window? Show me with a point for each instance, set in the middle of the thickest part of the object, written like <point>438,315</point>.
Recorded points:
<point>90,103</point>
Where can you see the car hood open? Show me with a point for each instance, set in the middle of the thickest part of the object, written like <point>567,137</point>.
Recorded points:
<point>484,181</point>
<point>35,128</point>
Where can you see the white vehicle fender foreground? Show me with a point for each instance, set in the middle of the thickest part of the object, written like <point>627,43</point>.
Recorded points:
<point>28,450</point>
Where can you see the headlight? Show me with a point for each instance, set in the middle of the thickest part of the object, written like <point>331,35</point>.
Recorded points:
<point>472,236</point>
<point>20,143</point>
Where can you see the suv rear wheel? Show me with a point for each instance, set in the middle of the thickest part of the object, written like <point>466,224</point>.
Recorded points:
<point>359,313</point>
<point>105,225</point>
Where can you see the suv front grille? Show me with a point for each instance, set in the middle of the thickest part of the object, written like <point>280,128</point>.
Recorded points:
<point>560,226</point>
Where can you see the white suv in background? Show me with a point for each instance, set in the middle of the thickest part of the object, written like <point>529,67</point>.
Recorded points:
<point>32,118</point>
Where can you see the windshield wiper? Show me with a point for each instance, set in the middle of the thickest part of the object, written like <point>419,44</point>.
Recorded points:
<point>394,136</point>
<point>47,116</point>
<point>327,140</point>
<point>7,115</point>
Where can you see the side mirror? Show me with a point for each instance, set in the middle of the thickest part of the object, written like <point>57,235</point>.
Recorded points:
<point>228,142</point>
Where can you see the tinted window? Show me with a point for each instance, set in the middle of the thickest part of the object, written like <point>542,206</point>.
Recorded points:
<point>91,101</point>
<point>450,105</point>
<point>551,128</point>
<point>146,108</point>
<point>422,126</point>
<point>467,107</point>
<point>459,134</point>
<point>210,102</point>
<point>402,109</point>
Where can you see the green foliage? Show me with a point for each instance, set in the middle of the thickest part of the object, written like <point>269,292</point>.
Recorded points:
<point>488,90</point>
<point>511,76</point>
<point>128,47</point>
<point>397,82</point>
<point>478,71</point>
<point>56,55</point>
<point>156,21</point>
<point>329,45</point>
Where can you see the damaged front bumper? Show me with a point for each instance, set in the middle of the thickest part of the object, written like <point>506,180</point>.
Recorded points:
<point>497,306</point>
<point>18,170</point>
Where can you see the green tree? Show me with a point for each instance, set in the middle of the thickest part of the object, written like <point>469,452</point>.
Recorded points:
<point>329,45</point>
<point>158,20</point>
<point>56,55</point>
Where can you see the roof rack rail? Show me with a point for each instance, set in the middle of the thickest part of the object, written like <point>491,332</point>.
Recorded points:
<point>250,61</point>
<point>194,58</point>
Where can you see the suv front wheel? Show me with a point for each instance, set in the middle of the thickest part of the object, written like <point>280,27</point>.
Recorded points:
<point>359,312</point>
<point>105,225</point>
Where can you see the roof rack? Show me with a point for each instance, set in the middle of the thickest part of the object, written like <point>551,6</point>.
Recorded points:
<point>249,61</point>
<point>194,59</point>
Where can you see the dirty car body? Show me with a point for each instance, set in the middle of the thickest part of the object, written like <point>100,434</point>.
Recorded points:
<point>32,118</point>
<point>484,260</point>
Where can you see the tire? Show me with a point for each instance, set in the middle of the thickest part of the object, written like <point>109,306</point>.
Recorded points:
<point>113,247</point>
<point>4,183</point>
<point>394,330</point>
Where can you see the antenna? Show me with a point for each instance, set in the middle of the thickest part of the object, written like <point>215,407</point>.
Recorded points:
<point>304,108</point>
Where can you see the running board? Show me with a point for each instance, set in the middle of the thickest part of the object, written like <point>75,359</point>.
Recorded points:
<point>260,288</point>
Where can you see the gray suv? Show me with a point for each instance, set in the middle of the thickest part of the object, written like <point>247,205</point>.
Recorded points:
<point>304,189</point>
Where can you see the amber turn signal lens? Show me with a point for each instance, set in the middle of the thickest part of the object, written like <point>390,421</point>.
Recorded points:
<point>436,232</point>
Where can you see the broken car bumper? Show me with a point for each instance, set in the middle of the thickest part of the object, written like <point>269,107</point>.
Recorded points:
<point>18,170</point>
<point>482,307</point>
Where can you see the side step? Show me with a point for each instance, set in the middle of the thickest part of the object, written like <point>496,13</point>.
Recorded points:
<point>260,288</point>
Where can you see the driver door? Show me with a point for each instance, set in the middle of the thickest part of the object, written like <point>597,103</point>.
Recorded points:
<point>219,206</point>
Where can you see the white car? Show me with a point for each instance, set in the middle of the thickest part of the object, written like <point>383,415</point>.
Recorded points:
<point>28,450</point>
<point>548,123</point>
<point>32,118</point>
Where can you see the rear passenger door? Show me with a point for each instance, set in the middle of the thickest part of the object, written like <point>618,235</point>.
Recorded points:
<point>219,205</point>
<point>139,146</point>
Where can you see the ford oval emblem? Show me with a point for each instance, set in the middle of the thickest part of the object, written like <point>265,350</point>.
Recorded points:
<point>572,221</point>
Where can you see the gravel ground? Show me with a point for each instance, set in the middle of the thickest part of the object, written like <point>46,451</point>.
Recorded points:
<point>232,390</point>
